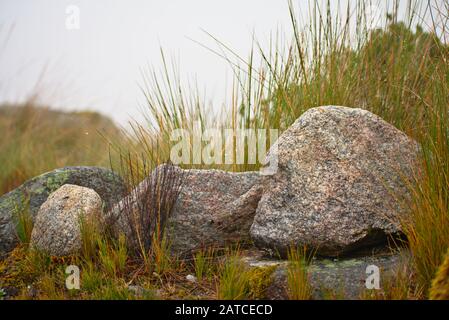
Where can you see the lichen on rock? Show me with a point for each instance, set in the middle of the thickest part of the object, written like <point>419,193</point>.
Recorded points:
<point>106,183</point>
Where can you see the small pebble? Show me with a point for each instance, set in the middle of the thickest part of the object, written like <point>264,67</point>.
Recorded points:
<point>191,278</point>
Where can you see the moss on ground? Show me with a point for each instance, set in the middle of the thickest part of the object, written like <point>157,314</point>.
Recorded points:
<point>259,279</point>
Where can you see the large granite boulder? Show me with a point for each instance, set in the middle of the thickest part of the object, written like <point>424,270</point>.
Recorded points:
<point>33,193</point>
<point>341,183</point>
<point>57,227</point>
<point>212,208</point>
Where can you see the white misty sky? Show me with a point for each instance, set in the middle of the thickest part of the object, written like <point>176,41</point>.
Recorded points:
<point>98,67</point>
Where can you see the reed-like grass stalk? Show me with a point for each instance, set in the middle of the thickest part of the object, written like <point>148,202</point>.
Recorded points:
<point>298,282</point>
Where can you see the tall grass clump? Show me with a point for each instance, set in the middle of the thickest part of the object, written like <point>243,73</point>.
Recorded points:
<point>336,58</point>
<point>113,256</point>
<point>24,222</point>
<point>238,280</point>
<point>144,212</point>
<point>427,227</point>
<point>232,276</point>
<point>298,283</point>
<point>91,235</point>
<point>233,280</point>
<point>203,263</point>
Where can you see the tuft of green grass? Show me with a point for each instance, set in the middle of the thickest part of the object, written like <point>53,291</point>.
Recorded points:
<point>427,225</point>
<point>162,258</point>
<point>92,278</point>
<point>233,280</point>
<point>203,263</point>
<point>239,281</point>
<point>35,263</point>
<point>24,222</point>
<point>112,255</point>
<point>91,235</point>
<point>298,283</point>
<point>50,288</point>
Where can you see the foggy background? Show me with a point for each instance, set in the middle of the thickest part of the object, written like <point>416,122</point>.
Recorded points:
<point>98,66</point>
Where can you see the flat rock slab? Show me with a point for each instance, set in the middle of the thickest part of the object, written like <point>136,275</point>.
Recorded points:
<point>35,191</point>
<point>329,278</point>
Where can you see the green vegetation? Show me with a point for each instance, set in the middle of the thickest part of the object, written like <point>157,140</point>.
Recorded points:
<point>203,263</point>
<point>399,72</point>
<point>233,280</point>
<point>24,223</point>
<point>298,283</point>
<point>239,281</point>
<point>112,257</point>
<point>37,139</point>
